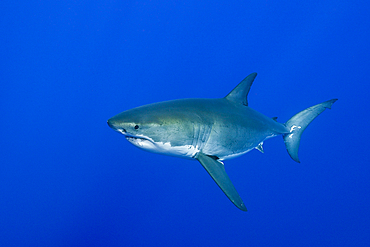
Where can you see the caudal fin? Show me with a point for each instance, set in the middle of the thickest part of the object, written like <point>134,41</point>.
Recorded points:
<point>298,123</point>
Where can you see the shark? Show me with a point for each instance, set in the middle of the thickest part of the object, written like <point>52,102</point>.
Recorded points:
<point>212,130</point>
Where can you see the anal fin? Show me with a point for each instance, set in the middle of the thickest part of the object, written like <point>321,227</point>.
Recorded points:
<point>217,171</point>
<point>260,147</point>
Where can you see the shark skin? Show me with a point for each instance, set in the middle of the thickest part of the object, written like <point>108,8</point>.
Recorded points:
<point>211,130</point>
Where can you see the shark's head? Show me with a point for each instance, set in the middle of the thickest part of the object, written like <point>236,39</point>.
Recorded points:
<point>138,126</point>
<point>156,128</point>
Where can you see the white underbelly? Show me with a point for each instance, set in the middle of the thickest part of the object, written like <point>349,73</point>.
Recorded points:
<point>234,155</point>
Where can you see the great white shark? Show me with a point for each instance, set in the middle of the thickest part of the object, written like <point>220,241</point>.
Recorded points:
<point>211,130</point>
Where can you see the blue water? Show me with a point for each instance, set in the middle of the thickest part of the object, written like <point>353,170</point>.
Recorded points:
<point>67,179</point>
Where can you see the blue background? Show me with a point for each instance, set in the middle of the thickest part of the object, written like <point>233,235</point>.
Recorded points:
<point>67,179</point>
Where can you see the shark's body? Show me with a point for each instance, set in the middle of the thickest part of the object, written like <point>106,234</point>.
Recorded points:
<point>211,130</point>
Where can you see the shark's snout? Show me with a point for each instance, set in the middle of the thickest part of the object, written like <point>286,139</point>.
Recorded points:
<point>114,124</point>
<point>110,123</point>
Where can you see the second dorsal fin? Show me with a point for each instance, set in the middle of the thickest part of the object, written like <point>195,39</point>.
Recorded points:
<point>240,93</point>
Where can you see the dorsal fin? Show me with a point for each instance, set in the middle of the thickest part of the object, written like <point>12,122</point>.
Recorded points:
<point>240,93</point>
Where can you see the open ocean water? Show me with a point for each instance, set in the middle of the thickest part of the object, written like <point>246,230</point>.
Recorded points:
<point>67,179</point>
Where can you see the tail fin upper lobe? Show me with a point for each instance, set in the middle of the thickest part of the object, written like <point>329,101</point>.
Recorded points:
<point>298,123</point>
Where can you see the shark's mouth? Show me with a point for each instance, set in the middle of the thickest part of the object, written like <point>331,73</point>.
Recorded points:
<point>139,141</point>
<point>135,138</point>
<point>131,138</point>
<point>148,144</point>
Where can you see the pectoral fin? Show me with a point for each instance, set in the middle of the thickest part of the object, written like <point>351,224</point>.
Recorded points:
<point>217,171</point>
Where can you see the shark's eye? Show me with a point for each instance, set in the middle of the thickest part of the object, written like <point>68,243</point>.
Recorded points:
<point>136,127</point>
